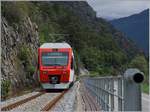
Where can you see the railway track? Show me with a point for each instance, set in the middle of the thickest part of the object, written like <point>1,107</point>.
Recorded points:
<point>46,107</point>
<point>42,101</point>
<point>20,102</point>
<point>52,103</point>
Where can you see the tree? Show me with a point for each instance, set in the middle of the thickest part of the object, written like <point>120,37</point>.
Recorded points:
<point>140,63</point>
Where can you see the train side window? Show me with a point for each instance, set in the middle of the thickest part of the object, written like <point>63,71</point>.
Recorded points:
<point>72,67</point>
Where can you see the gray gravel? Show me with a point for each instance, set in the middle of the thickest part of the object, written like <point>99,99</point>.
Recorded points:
<point>18,98</point>
<point>37,104</point>
<point>67,103</point>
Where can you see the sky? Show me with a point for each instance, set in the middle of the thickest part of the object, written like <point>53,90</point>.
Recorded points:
<point>112,9</point>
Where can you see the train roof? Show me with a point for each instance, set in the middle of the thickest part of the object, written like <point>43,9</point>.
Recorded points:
<point>55,45</point>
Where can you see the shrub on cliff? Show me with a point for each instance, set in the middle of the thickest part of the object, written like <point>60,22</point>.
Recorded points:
<point>14,12</point>
<point>30,71</point>
<point>24,54</point>
<point>5,87</point>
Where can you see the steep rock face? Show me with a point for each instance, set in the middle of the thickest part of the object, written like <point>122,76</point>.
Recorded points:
<point>14,40</point>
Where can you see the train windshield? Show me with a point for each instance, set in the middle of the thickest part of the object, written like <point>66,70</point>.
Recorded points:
<point>54,58</point>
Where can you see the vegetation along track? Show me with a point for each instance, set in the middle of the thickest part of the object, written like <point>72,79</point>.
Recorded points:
<point>51,104</point>
<point>20,102</point>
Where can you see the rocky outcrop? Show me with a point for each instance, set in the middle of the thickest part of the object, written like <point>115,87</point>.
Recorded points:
<point>14,39</point>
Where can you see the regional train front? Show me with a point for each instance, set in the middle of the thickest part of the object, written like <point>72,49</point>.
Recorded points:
<point>56,65</point>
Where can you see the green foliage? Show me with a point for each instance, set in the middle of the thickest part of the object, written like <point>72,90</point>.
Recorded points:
<point>94,74</point>
<point>145,88</point>
<point>30,71</point>
<point>5,87</point>
<point>141,63</point>
<point>78,78</point>
<point>89,58</point>
<point>93,43</point>
<point>14,12</point>
<point>24,54</point>
<point>42,38</point>
<point>77,63</point>
<point>104,71</point>
<point>102,61</point>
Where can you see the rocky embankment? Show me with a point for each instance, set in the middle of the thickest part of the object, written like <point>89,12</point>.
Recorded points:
<point>19,55</point>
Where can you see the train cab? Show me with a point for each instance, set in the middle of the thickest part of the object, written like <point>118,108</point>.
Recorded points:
<point>56,65</point>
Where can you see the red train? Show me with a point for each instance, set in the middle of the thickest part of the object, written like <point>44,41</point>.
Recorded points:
<point>56,65</point>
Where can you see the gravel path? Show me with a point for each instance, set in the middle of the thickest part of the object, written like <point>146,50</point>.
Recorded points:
<point>37,104</point>
<point>15,99</point>
<point>79,101</point>
<point>67,103</point>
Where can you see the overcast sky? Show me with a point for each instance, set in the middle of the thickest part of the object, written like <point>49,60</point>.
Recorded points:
<point>111,9</point>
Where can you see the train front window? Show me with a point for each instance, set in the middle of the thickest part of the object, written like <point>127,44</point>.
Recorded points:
<point>54,58</point>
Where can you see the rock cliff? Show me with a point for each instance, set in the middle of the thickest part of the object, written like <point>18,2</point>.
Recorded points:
<point>15,41</point>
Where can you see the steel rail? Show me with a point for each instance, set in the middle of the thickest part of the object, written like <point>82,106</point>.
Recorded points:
<point>20,102</point>
<point>51,104</point>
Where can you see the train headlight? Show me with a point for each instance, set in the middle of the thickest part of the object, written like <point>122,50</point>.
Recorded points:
<point>64,72</point>
<point>45,72</point>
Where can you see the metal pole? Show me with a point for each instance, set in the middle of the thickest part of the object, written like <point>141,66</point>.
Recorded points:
<point>132,90</point>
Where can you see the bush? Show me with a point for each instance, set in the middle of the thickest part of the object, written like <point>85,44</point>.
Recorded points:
<point>145,88</point>
<point>94,74</point>
<point>24,54</point>
<point>42,38</point>
<point>104,71</point>
<point>5,87</point>
<point>30,71</point>
<point>14,12</point>
<point>141,63</point>
<point>77,78</point>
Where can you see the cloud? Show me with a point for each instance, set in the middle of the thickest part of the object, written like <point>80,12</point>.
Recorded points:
<point>111,9</point>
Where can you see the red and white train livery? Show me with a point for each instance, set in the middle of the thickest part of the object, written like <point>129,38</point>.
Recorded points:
<point>56,65</point>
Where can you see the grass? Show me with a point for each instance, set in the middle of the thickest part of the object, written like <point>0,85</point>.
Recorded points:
<point>30,71</point>
<point>94,74</point>
<point>145,88</point>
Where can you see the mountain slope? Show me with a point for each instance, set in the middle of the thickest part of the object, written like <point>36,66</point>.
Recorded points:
<point>136,27</point>
<point>96,44</point>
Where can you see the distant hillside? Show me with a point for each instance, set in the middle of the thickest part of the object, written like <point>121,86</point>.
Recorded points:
<point>27,25</point>
<point>136,27</point>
